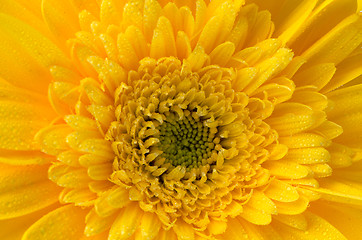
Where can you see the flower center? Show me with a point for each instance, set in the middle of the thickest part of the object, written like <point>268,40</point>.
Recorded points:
<point>185,139</point>
<point>186,142</point>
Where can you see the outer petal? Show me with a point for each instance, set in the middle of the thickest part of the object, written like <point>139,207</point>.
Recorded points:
<point>61,18</point>
<point>345,218</point>
<point>317,228</point>
<point>25,189</point>
<point>347,112</point>
<point>29,14</point>
<point>64,223</point>
<point>30,54</point>
<point>126,223</point>
<point>13,229</point>
<point>337,44</point>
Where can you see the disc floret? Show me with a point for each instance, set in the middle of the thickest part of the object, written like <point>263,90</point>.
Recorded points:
<point>186,142</point>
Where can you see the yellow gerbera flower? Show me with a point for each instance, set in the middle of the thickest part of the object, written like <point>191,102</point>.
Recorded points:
<point>145,119</point>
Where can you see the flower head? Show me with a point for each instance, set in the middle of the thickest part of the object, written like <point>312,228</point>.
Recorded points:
<point>181,119</point>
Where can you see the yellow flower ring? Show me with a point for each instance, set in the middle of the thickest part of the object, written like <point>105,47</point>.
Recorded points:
<point>180,119</point>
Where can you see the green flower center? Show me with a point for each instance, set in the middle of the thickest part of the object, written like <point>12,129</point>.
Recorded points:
<point>186,142</point>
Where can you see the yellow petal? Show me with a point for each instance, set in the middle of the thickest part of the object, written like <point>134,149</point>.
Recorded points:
<point>329,130</point>
<point>322,19</point>
<point>118,197</point>
<point>14,228</point>
<point>104,115</point>
<point>303,140</point>
<point>61,18</point>
<point>163,41</point>
<point>198,58</point>
<point>347,112</point>
<point>346,100</point>
<point>85,20</point>
<point>33,7</point>
<point>77,122</point>
<point>15,157</point>
<point>235,230</point>
<point>27,15</point>
<point>152,12</point>
<point>64,223</point>
<point>110,47</point>
<point>126,223</point>
<point>320,170</point>
<point>183,45</point>
<point>281,191</point>
<point>218,27</point>
<point>286,169</point>
<point>14,177</point>
<point>9,92</point>
<point>96,224</point>
<point>27,199</point>
<point>255,216</point>
<point>100,186</point>
<point>52,138</point>
<point>100,172</point>
<point>341,156</point>
<point>347,70</point>
<point>132,13</point>
<point>343,217</point>
<point>318,75</point>
<point>75,139</point>
<point>295,221</point>
<point>127,55</point>
<point>262,29</point>
<point>338,191</point>
<point>292,208</point>
<point>78,196</point>
<point>269,68</point>
<point>183,230</point>
<point>317,228</point>
<point>111,12</point>
<point>276,93</point>
<point>291,17</point>
<point>87,160</point>
<point>260,231</point>
<point>80,55</point>
<point>38,51</point>
<point>312,99</point>
<point>102,207</point>
<point>20,69</point>
<point>74,178</point>
<point>150,226</point>
<point>290,123</point>
<point>338,43</point>
<point>98,147</point>
<point>308,155</point>
<point>138,41</point>
<point>166,235</point>
<point>94,92</point>
<point>38,47</point>
<point>261,202</point>
<point>222,54</point>
<point>19,134</point>
<point>217,227</point>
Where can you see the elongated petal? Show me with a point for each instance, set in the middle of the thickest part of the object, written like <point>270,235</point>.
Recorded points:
<point>27,199</point>
<point>14,228</point>
<point>126,223</point>
<point>31,52</point>
<point>64,223</point>
<point>345,218</point>
<point>317,227</point>
<point>338,43</point>
<point>61,18</point>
